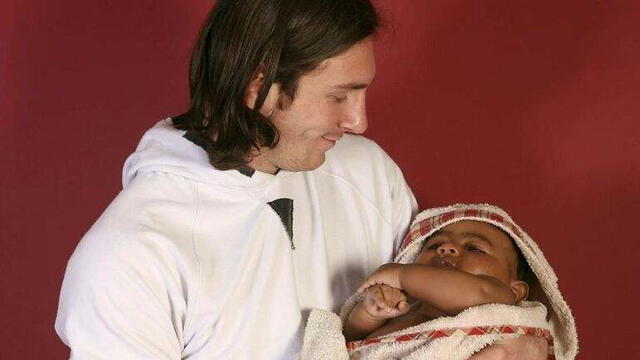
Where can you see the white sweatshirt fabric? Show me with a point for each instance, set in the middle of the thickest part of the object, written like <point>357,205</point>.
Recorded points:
<point>190,262</point>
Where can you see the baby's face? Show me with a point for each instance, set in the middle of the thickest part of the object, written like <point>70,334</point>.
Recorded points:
<point>473,247</point>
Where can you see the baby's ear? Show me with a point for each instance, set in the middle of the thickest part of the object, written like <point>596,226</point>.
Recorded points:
<point>520,289</point>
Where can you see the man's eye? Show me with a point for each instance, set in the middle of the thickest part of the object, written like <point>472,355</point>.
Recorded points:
<point>338,99</point>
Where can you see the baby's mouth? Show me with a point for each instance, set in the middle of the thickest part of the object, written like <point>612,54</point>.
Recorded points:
<point>445,262</point>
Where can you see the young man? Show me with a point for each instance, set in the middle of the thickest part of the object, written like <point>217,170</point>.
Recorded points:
<point>256,205</point>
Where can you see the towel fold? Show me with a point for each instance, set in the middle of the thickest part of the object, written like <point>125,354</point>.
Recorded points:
<point>546,314</point>
<point>323,339</point>
<point>451,338</point>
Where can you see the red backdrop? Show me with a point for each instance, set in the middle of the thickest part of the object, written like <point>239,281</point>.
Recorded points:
<point>529,105</point>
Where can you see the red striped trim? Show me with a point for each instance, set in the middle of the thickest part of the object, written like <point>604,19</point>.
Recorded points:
<point>427,225</point>
<point>471,331</point>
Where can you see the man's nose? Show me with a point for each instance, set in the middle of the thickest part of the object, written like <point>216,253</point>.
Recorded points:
<point>449,249</point>
<point>354,120</point>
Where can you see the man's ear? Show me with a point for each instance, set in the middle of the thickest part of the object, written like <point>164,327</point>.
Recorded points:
<point>251,94</point>
<point>520,289</point>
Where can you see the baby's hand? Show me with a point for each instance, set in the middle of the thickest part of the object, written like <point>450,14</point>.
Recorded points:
<point>388,274</point>
<point>383,302</point>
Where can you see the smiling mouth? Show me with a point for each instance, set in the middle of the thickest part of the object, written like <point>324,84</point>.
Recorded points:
<point>329,142</point>
<point>333,140</point>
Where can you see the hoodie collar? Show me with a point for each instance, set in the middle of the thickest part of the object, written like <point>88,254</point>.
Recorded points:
<point>165,148</point>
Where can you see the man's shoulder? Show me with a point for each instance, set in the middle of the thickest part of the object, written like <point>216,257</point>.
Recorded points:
<point>356,149</point>
<point>356,142</point>
<point>155,210</point>
<point>355,154</point>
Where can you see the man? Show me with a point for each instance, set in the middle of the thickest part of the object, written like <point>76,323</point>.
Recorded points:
<point>255,206</point>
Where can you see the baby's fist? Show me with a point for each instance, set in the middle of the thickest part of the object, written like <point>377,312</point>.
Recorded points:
<point>388,274</point>
<point>383,302</point>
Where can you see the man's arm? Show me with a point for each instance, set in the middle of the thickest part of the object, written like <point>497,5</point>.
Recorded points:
<point>448,290</point>
<point>404,206</point>
<point>120,301</point>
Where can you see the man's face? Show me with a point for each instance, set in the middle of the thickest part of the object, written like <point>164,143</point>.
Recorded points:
<point>473,247</point>
<point>330,101</point>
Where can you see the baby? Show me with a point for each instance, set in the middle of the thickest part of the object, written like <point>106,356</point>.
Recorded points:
<point>449,294</point>
<point>464,264</point>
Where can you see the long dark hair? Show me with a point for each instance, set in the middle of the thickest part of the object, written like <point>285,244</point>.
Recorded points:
<point>282,38</point>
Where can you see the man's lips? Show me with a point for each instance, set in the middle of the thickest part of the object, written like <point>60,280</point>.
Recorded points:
<point>330,140</point>
<point>333,139</point>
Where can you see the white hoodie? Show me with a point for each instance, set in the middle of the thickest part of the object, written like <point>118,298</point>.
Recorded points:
<point>190,262</point>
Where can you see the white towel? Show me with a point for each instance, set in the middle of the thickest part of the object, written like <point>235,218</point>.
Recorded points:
<point>447,338</point>
<point>325,341</point>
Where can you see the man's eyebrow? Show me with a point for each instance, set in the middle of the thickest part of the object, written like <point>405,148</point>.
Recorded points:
<point>352,86</point>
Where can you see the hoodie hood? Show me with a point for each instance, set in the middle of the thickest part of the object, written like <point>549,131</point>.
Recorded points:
<point>544,288</point>
<point>163,148</point>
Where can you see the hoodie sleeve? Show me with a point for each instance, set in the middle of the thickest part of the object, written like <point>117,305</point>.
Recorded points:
<point>113,311</point>
<point>125,290</point>
<point>403,203</point>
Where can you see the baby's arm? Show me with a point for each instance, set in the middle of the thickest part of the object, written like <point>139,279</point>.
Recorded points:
<point>379,304</point>
<point>448,290</point>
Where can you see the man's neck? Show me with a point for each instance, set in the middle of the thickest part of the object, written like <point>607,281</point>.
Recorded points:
<point>260,163</point>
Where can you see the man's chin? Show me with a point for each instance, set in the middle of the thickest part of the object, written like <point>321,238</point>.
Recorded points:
<point>308,165</point>
<point>317,163</point>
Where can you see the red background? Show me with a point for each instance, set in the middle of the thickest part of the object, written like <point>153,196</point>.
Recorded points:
<point>530,105</point>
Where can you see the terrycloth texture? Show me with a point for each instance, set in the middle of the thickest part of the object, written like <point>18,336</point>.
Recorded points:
<point>543,289</point>
<point>323,339</point>
<point>450,338</point>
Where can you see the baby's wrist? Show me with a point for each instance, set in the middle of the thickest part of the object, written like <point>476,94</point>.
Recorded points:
<point>402,271</point>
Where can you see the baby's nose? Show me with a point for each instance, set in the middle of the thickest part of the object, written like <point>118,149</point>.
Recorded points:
<point>448,248</point>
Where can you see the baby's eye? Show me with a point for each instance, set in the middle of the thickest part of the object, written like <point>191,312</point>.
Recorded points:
<point>473,248</point>
<point>433,246</point>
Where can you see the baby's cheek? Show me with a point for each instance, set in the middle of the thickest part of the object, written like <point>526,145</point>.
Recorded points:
<point>488,268</point>
<point>479,267</point>
<point>424,258</point>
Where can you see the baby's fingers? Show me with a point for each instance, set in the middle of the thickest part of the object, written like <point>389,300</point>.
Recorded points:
<point>403,307</point>
<point>368,283</point>
<point>395,301</point>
